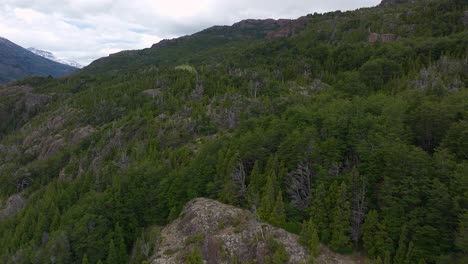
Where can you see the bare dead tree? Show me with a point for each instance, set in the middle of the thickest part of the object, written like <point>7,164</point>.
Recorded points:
<point>23,179</point>
<point>358,206</point>
<point>300,185</point>
<point>239,179</point>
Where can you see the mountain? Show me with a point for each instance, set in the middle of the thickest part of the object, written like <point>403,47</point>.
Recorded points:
<point>17,62</point>
<point>51,56</point>
<point>344,131</point>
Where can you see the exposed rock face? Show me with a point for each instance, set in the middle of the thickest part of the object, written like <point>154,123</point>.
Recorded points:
<point>225,233</point>
<point>152,92</point>
<point>13,205</point>
<point>374,37</point>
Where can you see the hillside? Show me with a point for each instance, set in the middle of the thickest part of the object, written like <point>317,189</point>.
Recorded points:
<point>224,234</point>
<point>345,129</point>
<point>17,63</point>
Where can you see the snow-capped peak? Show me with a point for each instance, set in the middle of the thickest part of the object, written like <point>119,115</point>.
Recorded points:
<point>51,56</point>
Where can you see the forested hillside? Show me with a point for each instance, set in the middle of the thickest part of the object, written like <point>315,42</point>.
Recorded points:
<point>351,127</point>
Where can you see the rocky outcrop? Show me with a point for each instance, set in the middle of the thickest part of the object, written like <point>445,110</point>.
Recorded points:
<point>13,205</point>
<point>374,37</point>
<point>224,233</point>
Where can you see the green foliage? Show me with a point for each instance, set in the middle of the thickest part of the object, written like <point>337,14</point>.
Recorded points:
<point>112,255</point>
<point>374,236</point>
<point>278,216</point>
<point>85,259</point>
<point>340,225</point>
<point>394,112</point>
<point>195,257</point>
<point>309,238</point>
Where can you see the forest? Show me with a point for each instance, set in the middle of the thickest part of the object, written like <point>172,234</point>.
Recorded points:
<point>361,146</point>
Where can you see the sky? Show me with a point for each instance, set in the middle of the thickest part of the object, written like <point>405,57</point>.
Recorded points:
<point>85,30</point>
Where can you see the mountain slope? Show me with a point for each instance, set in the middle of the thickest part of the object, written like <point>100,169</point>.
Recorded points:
<point>351,131</point>
<point>17,62</point>
<point>226,234</point>
<point>49,55</point>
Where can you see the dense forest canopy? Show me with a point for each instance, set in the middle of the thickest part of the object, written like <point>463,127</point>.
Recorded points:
<point>326,133</point>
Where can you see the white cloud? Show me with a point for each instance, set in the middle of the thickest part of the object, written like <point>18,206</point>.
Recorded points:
<point>84,30</point>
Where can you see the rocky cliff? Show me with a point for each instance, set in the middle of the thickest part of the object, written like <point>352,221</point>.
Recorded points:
<point>225,234</point>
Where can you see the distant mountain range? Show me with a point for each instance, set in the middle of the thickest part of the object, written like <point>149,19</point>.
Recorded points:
<point>17,62</point>
<point>49,55</point>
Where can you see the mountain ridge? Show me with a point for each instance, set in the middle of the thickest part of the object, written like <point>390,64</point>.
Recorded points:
<point>17,62</point>
<point>49,55</point>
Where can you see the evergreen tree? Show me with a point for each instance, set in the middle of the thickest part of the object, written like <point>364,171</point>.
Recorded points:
<point>278,216</point>
<point>309,238</point>
<point>85,259</point>
<point>461,240</point>
<point>388,258</point>
<point>254,189</point>
<point>319,212</point>
<point>374,236</point>
<point>120,244</point>
<point>340,226</point>
<point>112,257</point>
<point>400,254</point>
<point>268,199</point>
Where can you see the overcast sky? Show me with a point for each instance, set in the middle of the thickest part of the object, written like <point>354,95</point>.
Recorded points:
<point>84,30</point>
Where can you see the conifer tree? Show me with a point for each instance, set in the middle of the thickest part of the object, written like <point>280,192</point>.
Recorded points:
<point>278,216</point>
<point>256,181</point>
<point>120,244</point>
<point>309,238</point>
<point>340,226</point>
<point>85,259</point>
<point>388,258</point>
<point>112,257</point>
<point>319,212</point>
<point>400,254</point>
<point>374,235</point>
<point>268,199</point>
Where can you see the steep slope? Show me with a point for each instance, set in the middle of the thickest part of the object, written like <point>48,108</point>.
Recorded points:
<point>17,62</point>
<point>226,234</point>
<point>351,130</point>
<point>49,55</point>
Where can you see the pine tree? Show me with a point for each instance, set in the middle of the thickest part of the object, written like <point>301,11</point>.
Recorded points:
<point>320,213</point>
<point>268,199</point>
<point>278,216</point>
<point>409,253</point>
<point>340,226</point>
<point>400,254</point>
<point>112,257</point>
<point>388,258</point>
<point>309,238</point>
<point>256,181</point>
<point>120,244</point>
<point>374,235</point>
<point>85,259</point>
